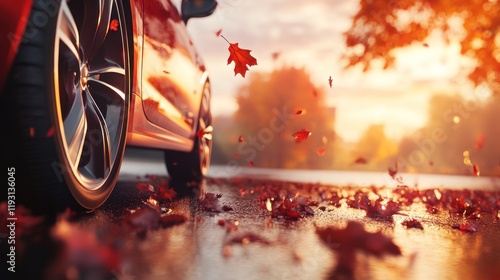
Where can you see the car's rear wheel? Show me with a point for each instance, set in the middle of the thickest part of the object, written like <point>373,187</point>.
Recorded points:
<point>194,165</point>
<point>66,104</point>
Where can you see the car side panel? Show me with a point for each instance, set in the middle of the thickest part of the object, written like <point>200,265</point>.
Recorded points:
<point>149,60</point>
<point>169,89</point>
<point>13,23</point>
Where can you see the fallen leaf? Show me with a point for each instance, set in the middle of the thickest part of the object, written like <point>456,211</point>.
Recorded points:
<point>145,188</point>
<point>301,135</point>
<point>172,220</point>
<point>412,223</point>
<point>246,238</point>
<point>210,202</point>
<point>347,241</point>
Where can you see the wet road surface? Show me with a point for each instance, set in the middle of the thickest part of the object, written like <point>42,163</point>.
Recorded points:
<point>253,227</point>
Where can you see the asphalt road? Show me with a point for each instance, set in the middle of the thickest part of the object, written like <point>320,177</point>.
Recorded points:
<point>255,228</point>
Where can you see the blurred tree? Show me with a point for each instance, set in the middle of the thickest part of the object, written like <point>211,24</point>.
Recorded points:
<point>376,148</point>
<point>272,106</point>
<point>381,26</point>
<point>455,126</point>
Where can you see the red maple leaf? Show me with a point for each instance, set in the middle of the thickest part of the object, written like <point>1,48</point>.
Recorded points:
<point>241,57</point>
<point>113,25</point>
<point>301,135</point>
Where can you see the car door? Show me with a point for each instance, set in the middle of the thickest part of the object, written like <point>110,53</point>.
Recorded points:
<point>171,75</point>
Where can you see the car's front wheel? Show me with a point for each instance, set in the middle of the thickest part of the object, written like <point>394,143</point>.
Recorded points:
<point>66,104</point>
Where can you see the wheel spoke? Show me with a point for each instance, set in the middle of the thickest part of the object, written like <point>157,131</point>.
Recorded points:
<point>75,129</point>
<point>95,26</point>
<point>67,32</point>
<point>107,69</point>
<point>108,91</point>
<point>96,159</point>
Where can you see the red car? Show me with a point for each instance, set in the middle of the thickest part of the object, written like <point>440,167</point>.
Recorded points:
<point>81,79</point>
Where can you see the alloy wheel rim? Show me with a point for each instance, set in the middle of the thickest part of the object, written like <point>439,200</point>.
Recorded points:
<point>90,87</point>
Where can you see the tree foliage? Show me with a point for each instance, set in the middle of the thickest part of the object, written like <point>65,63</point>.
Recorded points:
<point>381,26</point>
<point>272,107</point>
<point>459,133</point>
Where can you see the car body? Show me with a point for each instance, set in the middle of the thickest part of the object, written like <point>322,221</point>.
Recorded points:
<point>136,80</point>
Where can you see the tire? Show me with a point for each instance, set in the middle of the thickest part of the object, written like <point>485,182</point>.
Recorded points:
<point>194,165</point>
<point>66,104</point>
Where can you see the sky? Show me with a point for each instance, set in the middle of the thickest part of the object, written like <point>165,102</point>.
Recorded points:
<point>309,34</point>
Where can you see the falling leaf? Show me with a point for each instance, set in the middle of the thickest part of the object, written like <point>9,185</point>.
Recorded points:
<point>330,81</point>
<point>236,155</point>
<point>425,45</point>
<point>240,139</point>
<point>299,111</point>
<point>475,170</point>
<point>301,135</point>
<point>113,25</point>
<point>241,57</point>
<point>360,160</point>
<point>32,132</point>
<point>218,32</point>
<point>321,151</point>
<point>251,164</point>
<point>166,72</point>
<point>479,143</point>
<point>315,93</point>
<point>275,55</point>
